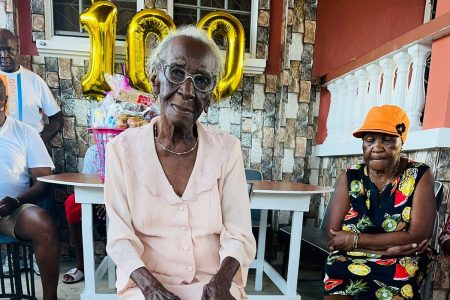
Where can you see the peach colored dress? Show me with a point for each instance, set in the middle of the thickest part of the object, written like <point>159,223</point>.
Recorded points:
<point>181,240</point>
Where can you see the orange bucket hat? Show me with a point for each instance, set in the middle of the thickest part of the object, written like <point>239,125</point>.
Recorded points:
<point>388,119</point>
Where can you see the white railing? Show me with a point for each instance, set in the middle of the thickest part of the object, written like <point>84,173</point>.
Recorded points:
<point>396,78</point>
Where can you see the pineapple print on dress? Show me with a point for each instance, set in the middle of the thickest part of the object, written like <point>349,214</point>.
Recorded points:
<point>356,188</point>
<point>355,287</point>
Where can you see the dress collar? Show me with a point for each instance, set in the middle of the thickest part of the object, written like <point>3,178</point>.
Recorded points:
<point>148,170</point>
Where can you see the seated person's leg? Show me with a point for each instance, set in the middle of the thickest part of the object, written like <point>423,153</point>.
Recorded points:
<point>73,216</point>
<point>31,223</point>
<point>49,204</point>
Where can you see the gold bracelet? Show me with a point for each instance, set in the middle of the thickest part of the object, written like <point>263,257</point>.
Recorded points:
<point>356,240</point>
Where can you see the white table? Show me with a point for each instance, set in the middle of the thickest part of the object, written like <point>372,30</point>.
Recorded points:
<point>88,191</point>
<point>275,195</point>
<point>267,195</point>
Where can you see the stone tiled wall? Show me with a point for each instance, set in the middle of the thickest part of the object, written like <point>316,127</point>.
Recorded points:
<point>7,19</point>
<point>274,116</point>
<point>439,160</point>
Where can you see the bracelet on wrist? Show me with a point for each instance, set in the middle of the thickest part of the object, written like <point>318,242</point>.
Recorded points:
<point>355,240</point>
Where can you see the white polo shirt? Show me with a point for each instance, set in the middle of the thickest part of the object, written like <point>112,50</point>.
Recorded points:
<point>21,148</point>
<point>29,97</point>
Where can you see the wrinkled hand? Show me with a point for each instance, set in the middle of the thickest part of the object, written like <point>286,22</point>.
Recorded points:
<point>159,292</point>
<point>216,290</point>
<point>341,240</point>
<point>7,206</point>
<point>151,288</point>
<point>410,249</point>
<point>101,211</point>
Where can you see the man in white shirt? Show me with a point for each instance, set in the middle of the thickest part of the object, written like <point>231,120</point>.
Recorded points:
<point>28,94</point>
<point>23,158</point>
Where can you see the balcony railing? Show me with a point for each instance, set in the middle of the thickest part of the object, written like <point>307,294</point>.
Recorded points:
<point>397,78</point>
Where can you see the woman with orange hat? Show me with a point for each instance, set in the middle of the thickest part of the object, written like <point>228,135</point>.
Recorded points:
<point>381,217</point>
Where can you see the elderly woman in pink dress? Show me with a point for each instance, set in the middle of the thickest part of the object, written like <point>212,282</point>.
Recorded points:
<point>175,191</point>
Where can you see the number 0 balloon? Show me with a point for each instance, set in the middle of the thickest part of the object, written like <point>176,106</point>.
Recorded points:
<point>223,24</point>
<point>143,24</point>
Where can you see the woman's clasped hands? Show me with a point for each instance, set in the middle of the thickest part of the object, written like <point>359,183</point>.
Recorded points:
<point>347,241</point>
<point>342,240</point>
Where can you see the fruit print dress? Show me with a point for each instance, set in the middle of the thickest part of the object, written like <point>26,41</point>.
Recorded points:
<point>368,275</point>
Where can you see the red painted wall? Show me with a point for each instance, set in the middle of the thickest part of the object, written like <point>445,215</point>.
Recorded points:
<point>273,66</point>
<point>437,109</point>
<point>27,46</point>
<point>347,29</point>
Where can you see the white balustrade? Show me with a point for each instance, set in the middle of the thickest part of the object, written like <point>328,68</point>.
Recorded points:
<point>396,79</point>
<point>352,88</point>
<point>374,71</point>
<point>332,118</point>
<point>402,60</point>
<point>387,69</point>
<point>416,93</point>
<point>362,78</point>
<point>340,110</point>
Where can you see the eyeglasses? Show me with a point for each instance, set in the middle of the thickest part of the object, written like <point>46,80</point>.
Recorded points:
<point>8,50</point>
<point>178,75</point>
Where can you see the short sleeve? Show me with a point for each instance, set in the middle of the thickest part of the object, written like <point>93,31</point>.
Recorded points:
<point>91,161</point>
<point>124,246</point>
<point>49,105</point>
<point>236,238</point>
<point>37,155</point>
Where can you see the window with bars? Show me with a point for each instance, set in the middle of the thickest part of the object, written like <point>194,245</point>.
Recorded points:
<point>66,16</point>
<point>186,12</point>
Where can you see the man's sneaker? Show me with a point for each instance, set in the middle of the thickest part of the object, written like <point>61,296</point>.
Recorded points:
<point>6,265</point>
<point>35,266</point>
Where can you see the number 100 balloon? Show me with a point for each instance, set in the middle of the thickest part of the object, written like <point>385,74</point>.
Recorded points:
<point>100,21</point>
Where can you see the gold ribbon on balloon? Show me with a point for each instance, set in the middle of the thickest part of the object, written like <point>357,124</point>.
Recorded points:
<point>220,23</point>
<point>143,24</point>
<point>99,20</point>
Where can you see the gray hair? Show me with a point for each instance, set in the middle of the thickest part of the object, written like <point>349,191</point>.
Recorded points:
<point>191,32</point>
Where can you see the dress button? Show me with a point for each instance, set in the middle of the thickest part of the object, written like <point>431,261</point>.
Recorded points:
<point>180,208</point>
<point>185,248</point>
<point>190,269</point>
<point>184,228</point>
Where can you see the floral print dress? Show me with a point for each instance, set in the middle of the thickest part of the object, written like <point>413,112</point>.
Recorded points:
<point>374,276</point>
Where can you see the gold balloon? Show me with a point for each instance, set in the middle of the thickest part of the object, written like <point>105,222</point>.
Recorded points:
<point>223,24</point>
<point>99,20</point>
<point>143,24</point>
